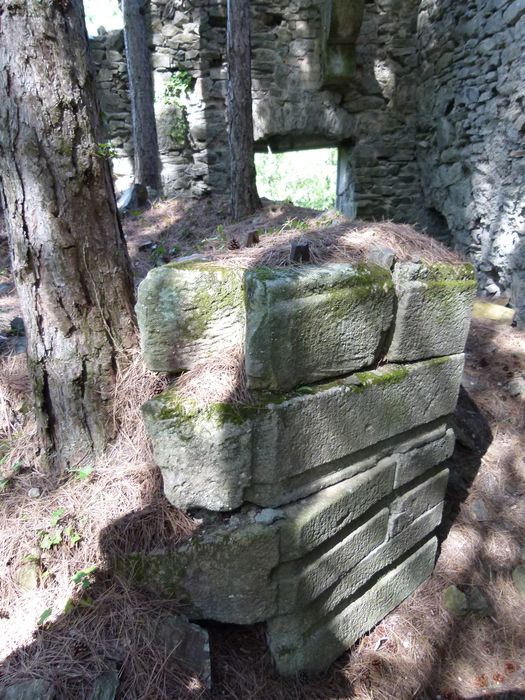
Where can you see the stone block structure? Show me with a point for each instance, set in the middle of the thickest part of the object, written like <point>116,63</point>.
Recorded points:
<point>422,99</point>
<point>319,497</point>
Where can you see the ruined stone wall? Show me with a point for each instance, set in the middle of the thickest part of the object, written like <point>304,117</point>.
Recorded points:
<point>111,75</point>
<point>471,137</point>
<point>372,108</point>
<point>427,112</point>
<point>319,497</point>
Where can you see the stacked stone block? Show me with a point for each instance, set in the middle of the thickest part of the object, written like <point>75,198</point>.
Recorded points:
<point>319,499</point>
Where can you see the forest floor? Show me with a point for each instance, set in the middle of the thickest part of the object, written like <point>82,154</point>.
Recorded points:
<point>443,643</point>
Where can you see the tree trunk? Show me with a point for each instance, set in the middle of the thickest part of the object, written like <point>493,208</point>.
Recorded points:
<point>244,197</point>
<point>69,257</point>
<point>145,145</point>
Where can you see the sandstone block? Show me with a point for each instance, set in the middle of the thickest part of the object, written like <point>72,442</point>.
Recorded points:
<point>434,304</point>
<point>327,636</point>
<point>187,312</point>
<point>311,521</point>
<point>300,582</point>
<point>417,501</point>
<point>413,452</point>
<point>300,558</point>
<point>413,463</point>
<point>209,456</point>
<point>304,324</point>
<point>222,575</point>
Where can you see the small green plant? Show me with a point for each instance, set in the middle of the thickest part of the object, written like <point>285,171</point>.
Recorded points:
<point>60,535</point>
<point>44,616</point>
<point>82,473</point>
<point>72,536</point>
<point>50,539</point>
<point>105,150</point>
<point>83,580</point>
<point>83,577</point>
<point>177,87</point>
<point>56,515</point>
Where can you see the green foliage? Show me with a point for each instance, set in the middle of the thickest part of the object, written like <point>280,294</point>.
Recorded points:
<point>82,473</point>
<point>177,87</point>
<point>83,580</point>
<point>105,150</point>
<point>175,93</point>
<point>72,536</point>
<point>43,617</point>
<point>306,178</point>
<point>179,130</point>
<point>56,515</point>
<point>83,577</point>
<point>60,535</point>
<point>50,539</point>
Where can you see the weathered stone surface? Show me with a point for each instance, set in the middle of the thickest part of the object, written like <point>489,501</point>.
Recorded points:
<point>187,312</point>
<point>300,582</point>
<point>105,686</point>
<point>28,690</point>
<point>205,455</point>
<point>413,453</point>
<point>305,324</point>
<point>188,644</point>
<point>413,463</point>
<point>311,639</point>
<point>222,575</point>
<point>209,456</point>
<point>434,305</point>
<point>419,500</point>
<point>455,601</point>
<point>336,539</point>
<point>314,520</point>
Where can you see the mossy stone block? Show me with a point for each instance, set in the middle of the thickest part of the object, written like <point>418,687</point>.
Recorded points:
<point>434,307</point>
<point>309,323</point>
<point>210,457</point>
<point>187,312</point>
<point>222,575</point>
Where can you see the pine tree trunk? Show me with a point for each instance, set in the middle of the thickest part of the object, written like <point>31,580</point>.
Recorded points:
<point>145,145</point>
<point>69,257</point>
<point>244,197</point>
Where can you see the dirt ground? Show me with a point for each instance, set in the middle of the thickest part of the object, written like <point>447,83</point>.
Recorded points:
<point>421,650</point>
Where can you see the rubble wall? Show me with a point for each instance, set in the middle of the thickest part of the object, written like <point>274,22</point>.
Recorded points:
<point>471,133</point>
<point>426,110</point>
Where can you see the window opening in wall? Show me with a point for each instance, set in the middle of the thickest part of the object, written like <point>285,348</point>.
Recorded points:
<point>306,178</point>
<point>105,14</point>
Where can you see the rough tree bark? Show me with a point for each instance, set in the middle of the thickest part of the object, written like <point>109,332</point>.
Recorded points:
<point>145,144</point>
<point>69,257</point>
<point>244,197</point>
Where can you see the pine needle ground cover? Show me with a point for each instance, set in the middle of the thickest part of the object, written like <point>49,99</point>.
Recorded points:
<point>65,614</point>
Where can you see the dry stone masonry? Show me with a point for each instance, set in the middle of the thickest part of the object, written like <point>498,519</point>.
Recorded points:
<point>320,498</point>
<point>424,101</point>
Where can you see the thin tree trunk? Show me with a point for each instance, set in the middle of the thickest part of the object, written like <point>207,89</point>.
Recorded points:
<point>244,197</point>
<point>69,257</point>
<point>145,144</point>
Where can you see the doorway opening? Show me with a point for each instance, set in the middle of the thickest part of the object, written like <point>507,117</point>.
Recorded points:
<point>308,178</point>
